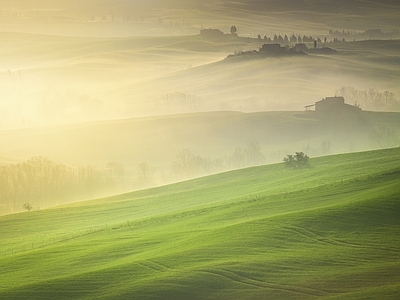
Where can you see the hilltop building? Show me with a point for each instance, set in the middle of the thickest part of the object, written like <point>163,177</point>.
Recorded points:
<point>272,48</point>
<point>330,105</point>
<point>300,47</point>
<point>211,33</point>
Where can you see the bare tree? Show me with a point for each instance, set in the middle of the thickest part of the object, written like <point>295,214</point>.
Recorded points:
<point>253,153</point>
<point>384,137</point>
<point>145,174</point>
<point>187,164</point>
<point>370,99</point>
<point>237,160</point>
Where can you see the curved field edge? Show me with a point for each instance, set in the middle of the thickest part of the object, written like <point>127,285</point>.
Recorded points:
<point>330,231</point>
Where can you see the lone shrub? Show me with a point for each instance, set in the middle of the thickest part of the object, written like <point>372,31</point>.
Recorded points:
<point>297,161</point>
<point>28,206</point>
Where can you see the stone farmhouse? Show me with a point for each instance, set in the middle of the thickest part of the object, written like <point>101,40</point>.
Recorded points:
<point>330,105</point>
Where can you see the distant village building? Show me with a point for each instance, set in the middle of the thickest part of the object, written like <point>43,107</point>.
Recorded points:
<point>331,105</point>
<point>213,33</point>
<point>300,47</point>
<point>272,48</point>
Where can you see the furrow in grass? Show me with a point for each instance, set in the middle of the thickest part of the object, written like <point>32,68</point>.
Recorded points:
<point>289,287</point>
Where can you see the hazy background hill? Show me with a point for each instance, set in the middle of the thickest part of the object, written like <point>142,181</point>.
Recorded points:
<point>183,16</point>
<point>49,80</point>
<point>158,140</point>
<point>131,59</point>
<point>58,164</point>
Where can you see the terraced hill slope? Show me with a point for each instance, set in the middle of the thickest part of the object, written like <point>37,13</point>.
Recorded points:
<point>330,231</point>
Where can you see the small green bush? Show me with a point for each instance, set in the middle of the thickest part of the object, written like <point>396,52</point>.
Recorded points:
<point>299,160</point>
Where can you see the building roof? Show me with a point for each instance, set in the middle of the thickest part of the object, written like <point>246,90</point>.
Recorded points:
<point>332,99</point>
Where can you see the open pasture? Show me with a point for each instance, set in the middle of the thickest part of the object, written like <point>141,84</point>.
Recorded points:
<point>325,232</point>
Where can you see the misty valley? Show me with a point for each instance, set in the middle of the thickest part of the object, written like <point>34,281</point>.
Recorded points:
<point>199,150</point>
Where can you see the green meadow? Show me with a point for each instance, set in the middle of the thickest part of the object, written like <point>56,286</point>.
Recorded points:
<point>330,231</point>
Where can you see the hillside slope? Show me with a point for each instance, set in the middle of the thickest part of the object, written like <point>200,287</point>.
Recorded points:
<point>134,18</point>
<point>326,232</point>
<point>158,139</point>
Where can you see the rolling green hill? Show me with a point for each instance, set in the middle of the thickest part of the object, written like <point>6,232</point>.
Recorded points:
<point>330,231</point>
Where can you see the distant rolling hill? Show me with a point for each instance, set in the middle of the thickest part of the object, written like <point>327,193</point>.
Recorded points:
<point>86,160</point>
<point>248,14</point>
<point>51,80</point>
<point>157,140</point>
<point>330,231</point>
<point>285,83</point>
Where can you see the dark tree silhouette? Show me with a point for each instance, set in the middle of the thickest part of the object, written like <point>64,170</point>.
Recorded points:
<point>286,39</point>
<point>299,160</point>
<point>28,206</point>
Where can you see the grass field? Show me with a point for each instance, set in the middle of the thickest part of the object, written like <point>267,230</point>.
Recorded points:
<point>330,231</point>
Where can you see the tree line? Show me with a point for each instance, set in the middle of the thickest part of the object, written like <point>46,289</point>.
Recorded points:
<point>41,182</point>
<point>179,102</point>
<point>189,165</point>
<point>286,40</point>
<point>370,99</point>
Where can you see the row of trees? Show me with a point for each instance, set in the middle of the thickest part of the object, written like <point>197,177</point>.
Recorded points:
<point>286,40</point>
<point>189,165</point>
<point>384,137</point>
<point>42,183</point>
<point>180,102</point>
<point>370,99</point>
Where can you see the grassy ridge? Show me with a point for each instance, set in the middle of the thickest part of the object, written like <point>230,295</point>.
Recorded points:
<point>330,231</point>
